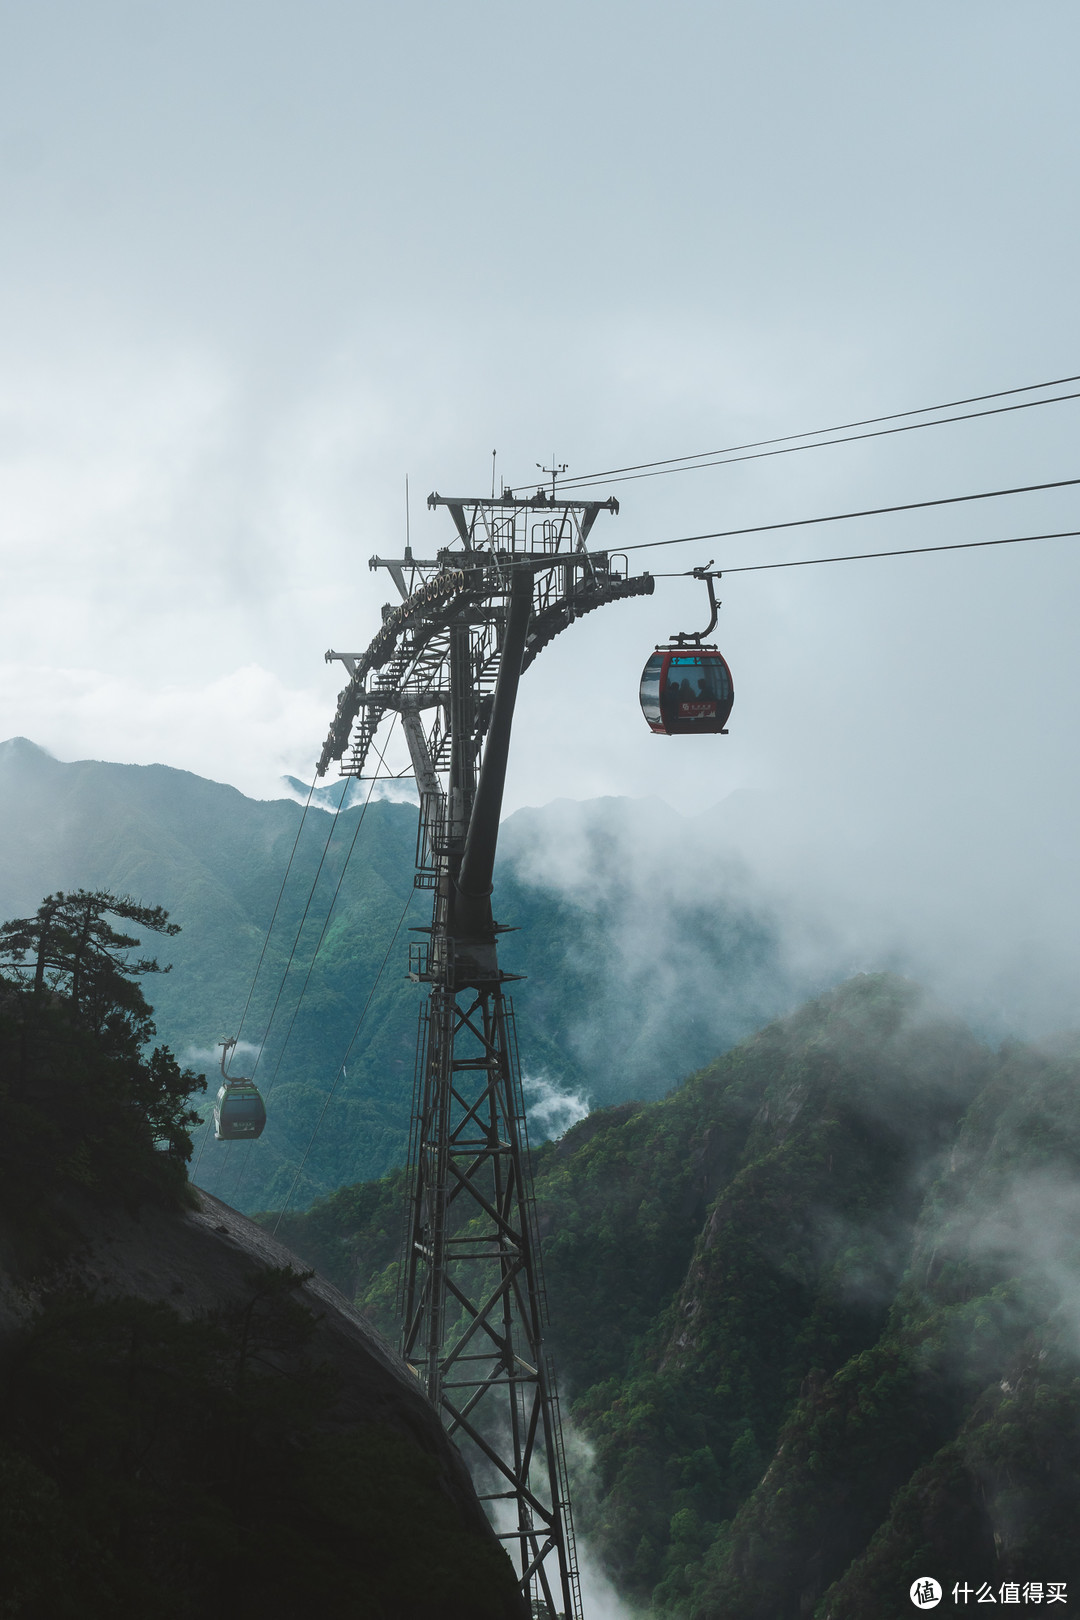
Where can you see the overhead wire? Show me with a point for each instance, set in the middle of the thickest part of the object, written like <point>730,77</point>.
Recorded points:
<point>808,433</point>
<point>292,952</point>
<point>333,903</point>
<point>842,517</point>
<point>730,460</point>
<point>209,1120</point>
<point>326,924</point>
<point>277,905</point>
<point>686,463</point>
<point>906,551</point>
<point>300,927</point>
<point>262,953</point>
<point>341,1067</point>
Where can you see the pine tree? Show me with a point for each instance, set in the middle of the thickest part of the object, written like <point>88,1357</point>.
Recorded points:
<point>80,1101</point>
<point>71,948</point>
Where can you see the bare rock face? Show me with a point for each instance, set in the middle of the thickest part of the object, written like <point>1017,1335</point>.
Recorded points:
<point>367,1438</point>
<point>208,1260</point>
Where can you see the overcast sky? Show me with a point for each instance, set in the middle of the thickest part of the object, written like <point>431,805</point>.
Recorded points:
<point>262,261</point>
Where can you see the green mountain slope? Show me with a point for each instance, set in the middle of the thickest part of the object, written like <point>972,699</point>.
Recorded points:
<point>216,861</point>
<point>816,1313</point>
<point>625,984</point>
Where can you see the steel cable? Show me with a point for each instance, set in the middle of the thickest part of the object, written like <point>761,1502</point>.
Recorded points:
<point>262,953</point>
<point>288,965</point>
<point>730,460</point>
<point>841,517</point>
<point>344,1061</point>
<point>809,433</point>
<point>318,946</point>
<point>907,551</point>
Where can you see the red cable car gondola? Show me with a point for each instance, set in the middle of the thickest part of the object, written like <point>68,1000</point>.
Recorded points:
<point>686,687</point>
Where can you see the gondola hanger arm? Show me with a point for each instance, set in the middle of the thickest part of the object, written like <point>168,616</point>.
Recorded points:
<point>707,574</point>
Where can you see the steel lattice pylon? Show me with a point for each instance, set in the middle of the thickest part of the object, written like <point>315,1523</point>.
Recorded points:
<point>447,661</point>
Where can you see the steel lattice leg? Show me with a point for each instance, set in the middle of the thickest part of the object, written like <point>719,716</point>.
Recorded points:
<point>473,1292</point>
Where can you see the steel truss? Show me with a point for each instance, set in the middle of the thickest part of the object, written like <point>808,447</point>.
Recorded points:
<point>447,661</point>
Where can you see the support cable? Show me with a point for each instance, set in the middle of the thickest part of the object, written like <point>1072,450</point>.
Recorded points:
<point>318,947</point>
<point>330,910</point>
<point>205,1138</point>
<point>841,517</point>
<point>810,433</point>
<point>277,904</point>
<point>300,926</point>
<point>207,1122</point>
<point>728,460</point>
<point>344,1061</point>
<point>262,954</point>
<point>908,551</point>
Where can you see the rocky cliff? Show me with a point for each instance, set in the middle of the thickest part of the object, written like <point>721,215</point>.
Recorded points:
<point>192,1425</point>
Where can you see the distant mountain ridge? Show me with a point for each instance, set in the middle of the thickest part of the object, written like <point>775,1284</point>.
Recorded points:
<point>631,979</point>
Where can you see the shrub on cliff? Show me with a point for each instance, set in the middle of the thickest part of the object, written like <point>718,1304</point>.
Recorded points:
<point>82,1103</point>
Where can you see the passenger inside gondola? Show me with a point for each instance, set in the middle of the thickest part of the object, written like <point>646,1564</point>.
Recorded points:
<point>672,697</point>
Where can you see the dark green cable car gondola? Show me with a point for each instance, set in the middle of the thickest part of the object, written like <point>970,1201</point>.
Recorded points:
<point>239,1111</point>
<point>686,688</point>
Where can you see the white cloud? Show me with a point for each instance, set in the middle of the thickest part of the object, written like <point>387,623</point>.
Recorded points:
<point>551,1110</point>
<point>1030,1226</point>
<point>251,281</point>
<point>244,727</point>
<point>244,1055</point>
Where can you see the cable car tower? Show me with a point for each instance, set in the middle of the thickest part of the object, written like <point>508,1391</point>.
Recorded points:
<point>447,661</point>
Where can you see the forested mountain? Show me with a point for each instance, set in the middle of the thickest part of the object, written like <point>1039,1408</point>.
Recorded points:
<point>637,971</point>
<point>816,1313</point>
<point>815,1309</point>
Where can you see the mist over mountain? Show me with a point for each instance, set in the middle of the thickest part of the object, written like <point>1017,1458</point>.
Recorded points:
<point>645,948</point>
<point>816,1308</point>
<point>817,1314</point>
